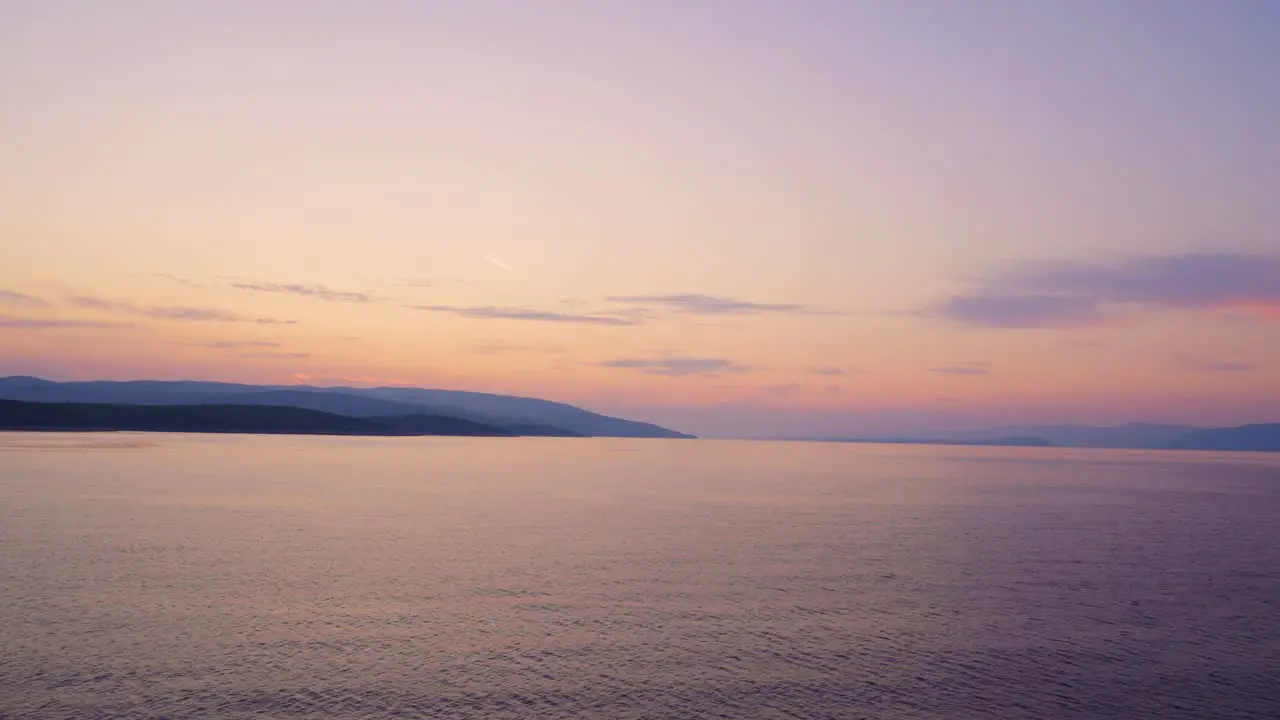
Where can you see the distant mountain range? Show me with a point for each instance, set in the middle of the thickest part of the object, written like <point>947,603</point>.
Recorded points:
<point>1140,436</point>
<point>1131,435</point>
<point>1014,441</point>
<point>1262,437</point>
<point>390,410</point>
<point>196,406</point>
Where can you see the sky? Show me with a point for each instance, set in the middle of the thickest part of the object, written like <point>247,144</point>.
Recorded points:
<point>736,218</point>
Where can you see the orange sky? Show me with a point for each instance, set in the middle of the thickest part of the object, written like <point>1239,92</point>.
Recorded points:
<point>761,218</point>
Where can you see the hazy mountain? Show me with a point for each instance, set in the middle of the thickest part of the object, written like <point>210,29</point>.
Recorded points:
<point>24,415</point>
<point>511,409</point>
<point>1131,435</point>
<point>1143,436</point>
<point>1263,437</point>
<point>1014,441</point>
<point>527,416</point>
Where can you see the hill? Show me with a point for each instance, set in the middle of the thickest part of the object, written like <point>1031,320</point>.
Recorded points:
<point>520,415</point>
<point>24,415</point>
<point>1263,437</point>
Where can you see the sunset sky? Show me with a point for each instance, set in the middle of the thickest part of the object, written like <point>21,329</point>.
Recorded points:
<point>747,217</point>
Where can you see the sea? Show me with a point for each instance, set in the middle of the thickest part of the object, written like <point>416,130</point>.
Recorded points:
<point>228,576</point>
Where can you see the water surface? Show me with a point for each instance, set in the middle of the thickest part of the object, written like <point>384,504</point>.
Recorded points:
<point>178,576</point>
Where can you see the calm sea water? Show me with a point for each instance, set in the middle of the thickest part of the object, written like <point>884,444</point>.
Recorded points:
<point>170,576</point>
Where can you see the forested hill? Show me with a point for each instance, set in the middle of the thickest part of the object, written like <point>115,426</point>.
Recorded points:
<point>21,415</point>
<point>517,415</point>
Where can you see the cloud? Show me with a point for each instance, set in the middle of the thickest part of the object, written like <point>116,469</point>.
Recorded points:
<point>497,349</point>
<point>17,299</point>
<point>316,291</point>
<point>831,371</point>
<point>1230,367</point>
<point>177,279</point>
<point>699,304</point>
<point>963,368</point>
<point>579,311</point>
<point>28,324</point>
<point>1023,311</point>
<point>187,313</point>
<point>276,355</point>
<point>306,379</point>
<point>234,344</point>
<point>529,314</point>
<point>498,263</point>
<point>678,366</point>
<point>192,314</point>
<point>1216,366</point>
<point>1052,295</point>
<point>501,348</point>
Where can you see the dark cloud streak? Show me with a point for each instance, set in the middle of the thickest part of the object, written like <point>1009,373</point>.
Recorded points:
<point>275,355</point>
<point>1023,311</point>
<point>1228,366</point>
<point>1057,295</point>
<point>236,344</point>
<point>678,366</point>
<point>700,304</point>
<point>17,299</point>
<point>180,313</point>
<point>965,369</point>
<point>315,291</point>
<point>829,371</point>
<point>35,324</point>
<point>527,314</point>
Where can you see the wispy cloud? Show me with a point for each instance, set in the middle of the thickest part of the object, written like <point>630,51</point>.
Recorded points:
<point>678,366</point>
<point>699,304</point>
<point>528,314</point>
<point>177,279</point>
<point>498,263</point>
<point>502,348</point>
<point>963,368</point>
<point>236,344</point>
<point>1054,295</point>
<point>181,313</point>
<point>498,349</point>
<point>831,371</point>
<point>1230,367</point>
<point>315,291</point>
<point>325,381</point>
<point>1210,366</point>
<point>1023,311</point>
<point>36,324</point>
<point>275,355</point>
<point>17,299</point>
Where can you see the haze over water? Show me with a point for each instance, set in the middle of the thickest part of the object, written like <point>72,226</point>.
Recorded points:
<point>149,576</point>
